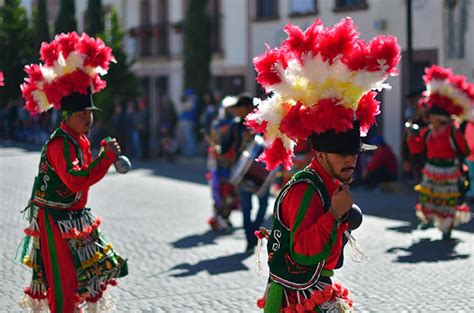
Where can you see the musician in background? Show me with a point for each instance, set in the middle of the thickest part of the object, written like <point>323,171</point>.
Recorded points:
<point>416,117</point>
<point>219,163</point>
<point>240,137</point>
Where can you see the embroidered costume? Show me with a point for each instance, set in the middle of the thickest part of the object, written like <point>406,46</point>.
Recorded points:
<point>444,147</point>
<point>72,262</point>
<point>323,82</point>
<point>221,157</point>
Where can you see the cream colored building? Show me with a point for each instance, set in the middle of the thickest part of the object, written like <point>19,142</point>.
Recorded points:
<point>442,32</point>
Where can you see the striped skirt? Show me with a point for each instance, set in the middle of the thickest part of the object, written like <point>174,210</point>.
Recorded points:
<point>72,263</point>
<point>440,196</point>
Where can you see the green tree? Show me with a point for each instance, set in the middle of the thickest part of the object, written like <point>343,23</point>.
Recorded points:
<point>122,84</point>
<point>94,21</point>
<point>66,19</point>
<point>16,48</point>
<point>40,22</point>
<point>197,46</point>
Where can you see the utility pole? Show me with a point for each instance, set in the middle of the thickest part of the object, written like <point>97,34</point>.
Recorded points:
<point>409,46</point>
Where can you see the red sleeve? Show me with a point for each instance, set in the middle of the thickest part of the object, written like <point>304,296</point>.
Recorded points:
<point>62,157</point>
<point>415,143</point>
<point>316,227</point>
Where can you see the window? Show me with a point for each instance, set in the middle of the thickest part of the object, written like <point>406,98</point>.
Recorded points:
<point>144,29</point>
<point>228,85</point>
<point>303,7</point>
<point>214,10</point>
<point>267,9</point>
<point>344,5</point>
<point>457,27</point>
<point>161,29</point>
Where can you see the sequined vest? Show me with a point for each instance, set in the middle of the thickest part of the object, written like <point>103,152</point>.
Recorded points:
<point>283,268</point>
<point>48,189</point>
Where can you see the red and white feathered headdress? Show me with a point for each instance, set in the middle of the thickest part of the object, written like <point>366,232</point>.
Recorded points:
<point>71,64</point>
<point>322,79</point>
<point>446,92</point>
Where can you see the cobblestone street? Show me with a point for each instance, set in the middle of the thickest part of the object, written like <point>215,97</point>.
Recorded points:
<point>156,216</point>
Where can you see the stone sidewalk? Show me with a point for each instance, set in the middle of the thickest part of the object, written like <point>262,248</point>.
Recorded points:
<point>156,217</point>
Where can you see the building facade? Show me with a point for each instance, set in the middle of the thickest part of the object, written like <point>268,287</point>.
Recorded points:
<point>442,32</point>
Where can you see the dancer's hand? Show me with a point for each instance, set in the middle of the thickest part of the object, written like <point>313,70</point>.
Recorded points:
<point>113,146</point>
<point>341,201</point>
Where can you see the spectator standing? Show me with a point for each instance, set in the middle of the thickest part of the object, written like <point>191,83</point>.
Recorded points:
<point>187,122</point>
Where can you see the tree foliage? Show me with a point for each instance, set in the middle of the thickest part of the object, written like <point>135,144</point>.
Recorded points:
<point>40,24</point>
<point>122,84</point>
<point>94,21</point>
<point>197,46</point>
<point>66,19</point>
<point>16,48</point>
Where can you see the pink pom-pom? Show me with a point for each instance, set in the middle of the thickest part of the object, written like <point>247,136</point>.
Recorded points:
<point>356,59</point>
<point>337,40</point>
<point>275,155</point>
<point>329,115</point>
<point>34,72</point>
<point>49,52</point>
<point>98,84</point>
<point>261,303</point>
<point>300,308</point>
<point>67,42</point>
<point>265,67</point>
<point>436,72</point>
<point>259,234</point>
<point>252,123</point>
<point>366,111</point>
<point>384,53</point>
<point>1,79</point>
<point>299,43</point>
<point>291,124</point>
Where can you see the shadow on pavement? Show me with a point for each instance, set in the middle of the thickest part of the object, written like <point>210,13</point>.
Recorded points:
<point>398,205</point>
<point>192,170</point>
<point>406,228</point>
<point>207,238</point>
<point>427,250</point>
<point>220,265</point>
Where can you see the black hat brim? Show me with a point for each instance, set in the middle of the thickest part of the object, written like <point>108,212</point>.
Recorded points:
<point>76,102</point>
<point>344,143</point>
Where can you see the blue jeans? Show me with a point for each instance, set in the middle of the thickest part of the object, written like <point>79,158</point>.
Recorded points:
<point>246,204</point>
<point>187,138</point>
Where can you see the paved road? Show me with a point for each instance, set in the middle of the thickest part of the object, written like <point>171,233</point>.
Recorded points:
<point>156,217</point>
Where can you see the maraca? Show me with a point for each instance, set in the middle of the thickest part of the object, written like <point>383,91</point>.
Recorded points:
<point>122,164</point>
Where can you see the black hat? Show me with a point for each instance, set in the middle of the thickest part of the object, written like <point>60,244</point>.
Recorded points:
<point>243,99</point>
<point>76,102</point>
<point>438,110</point>
<point>341,143</point>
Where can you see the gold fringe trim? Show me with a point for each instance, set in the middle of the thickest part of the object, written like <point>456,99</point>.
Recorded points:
<point>428,192</point>
<point>97,256</point>
<point>108,248</point>
<point>27,261</point>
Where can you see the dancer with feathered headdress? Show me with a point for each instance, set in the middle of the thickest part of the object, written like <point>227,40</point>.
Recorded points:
<point>323,83</point>
<point>71,261</point>
<point>442,144</point>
